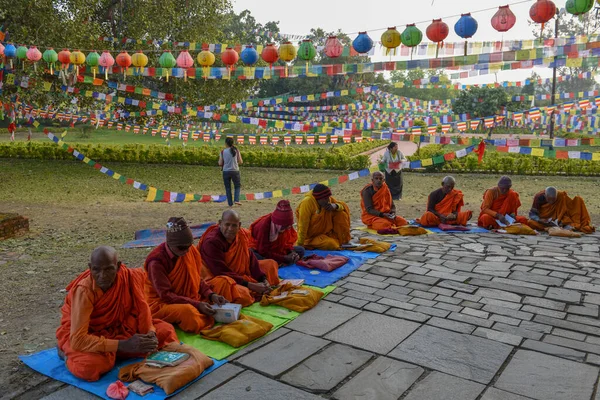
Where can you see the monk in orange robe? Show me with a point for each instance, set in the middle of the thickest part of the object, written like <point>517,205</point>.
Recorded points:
<point>552,207</point>
<point>444,205</point>
<point>175,289</point>
<point>378,208</point>
<point>230,267</point>
<point>106,316</point>
<point>498,202</point>
<point>323,221</point>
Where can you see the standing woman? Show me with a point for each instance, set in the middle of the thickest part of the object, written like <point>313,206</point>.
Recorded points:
<point>392,158</point>
<point>229,161</point>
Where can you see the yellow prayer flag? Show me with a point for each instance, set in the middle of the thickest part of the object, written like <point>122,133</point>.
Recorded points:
<point>279,124</point>
<point>89,93</point>
<point>63,134</point>
<point>574,62</point>
<point>86,160</point>
<point>192,45</point>
<point>595,156</point>
<point>189,197</point>
<point>151,194</point>
<point>374,168</point>
<point>36,124</point>
<point>232,118</point>
<point>324,183</point>
<point>537,152</point>
<point>311,97</point>
<point>222,106</point>
<point>117,176</point>
<point>155,106</point>
<point>159,112</point>
<point>277,193</point>
<point>47,86</point>
<point>427,162</point>
<point>278,100</point>
<point>344,92</point>
<point>121,99</point>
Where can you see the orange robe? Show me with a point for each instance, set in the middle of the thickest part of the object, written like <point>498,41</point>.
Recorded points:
<point>320,229</point>
<point>496,203</point>
<point>382,202</point>
<point>186,282</point>
<point>93,322</point>
<point>451,203</point>
<point>238,261</point>
<point>568,211</point>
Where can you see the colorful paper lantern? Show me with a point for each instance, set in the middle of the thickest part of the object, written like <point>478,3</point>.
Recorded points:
<point>411,36</point>
<point>10,52</point>
<point>504,19</point>
<point>92,60</point>
<point>333,47</point>
<point>167,61</point>
<point>34,55</point>
<point>229,58</point>
<point>437,32</point>
<point>51,57</point>
<point>22,54</point>
<point>185,61</point>
<point>139,61</point>
<point>362,44</point>
<point>390,39</point>
<point>206,59</point>
<point>287,53</point>
<point>1,50</point>
<point>542,11</point>
<point>106,61</point>
<point>307,52</point>
<point>77,58</point>
<point>466,27</point>
<point>249,55</point>
<point>64,57</point>
<point>579,7</point>
<point>269,54</point>
<point>123,60</point>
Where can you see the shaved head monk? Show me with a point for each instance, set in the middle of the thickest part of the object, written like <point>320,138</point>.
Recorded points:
<point>444,205</point>
<point>378,208</point>
<point>105,315</point>
<point>499,202</point>
<point>553,207</point>
<point>273,236</point>
<point>230,266</point>
<point>175,289</point>
<point>323,221</point>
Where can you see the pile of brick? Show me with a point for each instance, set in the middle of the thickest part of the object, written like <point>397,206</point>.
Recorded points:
<point>12,225</point>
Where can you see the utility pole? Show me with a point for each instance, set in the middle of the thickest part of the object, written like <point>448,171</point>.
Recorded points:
<point>552,100</point>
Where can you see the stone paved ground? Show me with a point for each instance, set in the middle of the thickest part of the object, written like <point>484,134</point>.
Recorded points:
<point>443,317</point>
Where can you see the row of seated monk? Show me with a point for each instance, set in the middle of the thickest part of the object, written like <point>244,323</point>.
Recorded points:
<point>113,311</point>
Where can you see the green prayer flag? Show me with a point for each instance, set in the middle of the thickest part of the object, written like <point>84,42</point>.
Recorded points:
<point>286,192</point>
<point>333,181</point>
<point>242,196</point>
<point>438,160</point>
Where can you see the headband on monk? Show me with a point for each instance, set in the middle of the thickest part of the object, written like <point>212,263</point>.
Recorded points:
<point>321,191</point>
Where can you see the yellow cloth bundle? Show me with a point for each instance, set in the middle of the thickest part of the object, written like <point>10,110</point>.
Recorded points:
<point>411,231</point>
<point>374,245</point>
<point>520,229</point>
<point>295,298</point>
<point>240,332</point>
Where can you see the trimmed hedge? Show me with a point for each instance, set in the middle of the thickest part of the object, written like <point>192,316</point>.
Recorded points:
<point>309,158</point>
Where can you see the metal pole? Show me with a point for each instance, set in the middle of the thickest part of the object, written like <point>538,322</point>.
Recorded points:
<point>552,101</point>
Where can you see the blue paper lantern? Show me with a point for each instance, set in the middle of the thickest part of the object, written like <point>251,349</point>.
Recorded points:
<point>363,43</point>
<point>10,50</point>
<point>465,27</point>
<point>249,55</point>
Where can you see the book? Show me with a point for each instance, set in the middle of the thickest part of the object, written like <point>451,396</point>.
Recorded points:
<point>166,359</point>
<point>140,388</point>
<point>509,221</point>
<point>227,313</point>
<point>293,282</point>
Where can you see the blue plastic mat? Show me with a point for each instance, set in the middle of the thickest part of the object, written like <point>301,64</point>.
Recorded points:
<point>315,277</point>
<point>154,237</point>
<point>48,363</point>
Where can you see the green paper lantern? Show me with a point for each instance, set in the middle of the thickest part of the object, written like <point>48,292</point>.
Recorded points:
<point>22,53</point>
<point>307,51</point>
<point>411,36</point>
<point>51,57</point>
<point>92,60</point>
<point>579,7</point>
<point>167,61</point>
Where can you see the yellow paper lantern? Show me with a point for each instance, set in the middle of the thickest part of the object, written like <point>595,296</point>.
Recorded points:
<point>390,39</point>
<point>77,59</point>
<point>139,60</point>
<point>206,59</point>
<point>287,53</point>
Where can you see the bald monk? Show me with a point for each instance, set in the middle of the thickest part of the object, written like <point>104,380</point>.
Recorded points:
<point>323,221</point>
<point>498,202</point>
<point>553,207</point>
<point>273,236</point>
<point>443,206</point>
<point>106,316</point>
<point>175,290</point>
<point>230,267</point>
<point>378,208</point>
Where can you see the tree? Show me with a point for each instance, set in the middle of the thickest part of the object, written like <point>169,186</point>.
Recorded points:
<point>480,102</point>
<point>408,76</point>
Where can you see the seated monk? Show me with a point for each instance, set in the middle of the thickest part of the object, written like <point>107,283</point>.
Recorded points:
<point>273,236</point>
<point>106,316</point>
<point>175,290</point>
<point>323,222</point>
<point>443,206</point>
<point>378,208</point>
<point>552,207</point>
<point>230,267</point>
<point>498,202</point>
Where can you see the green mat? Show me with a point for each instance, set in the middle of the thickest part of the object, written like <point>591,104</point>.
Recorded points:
<point>276,315</point>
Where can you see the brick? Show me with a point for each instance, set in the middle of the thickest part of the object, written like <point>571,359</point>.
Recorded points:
<point>367,282</point>
<point>505,320</point>
<point>359,288</point>
<point>520,283</point>
<point>508,312</point>
<point>361,296</point>
<point>517,331</point>
<point>353,302</point>
<point>466,296</point>
<point>542,319</point>
<point>534,326</point>
<point>543,311</point>
<point>507,287</point>
<point>555,350</point>
<point>535,278</point>
<point>396,303</point>
<point>587,287</point>
<point>498,336</point>
<point>470,304</point>
<point>446,299</point>
<point>419,286</point>
<point>574,344</point>
<point>383,271</point>
<point>501,303</point>
<point>568,334</point>
<point>590,310</point>
<point>584,320</point>
<point>409,315</point>
<point>459,287</point>
<point>546,303</point>
<point>448,307</point>
<point>470,319</point>
<point>392,295</point>
<point>422,302</point>
<point>436,312</point>
<point>475,313</point>
<point>428,280</point>
<point>442,291</point>
<point>376,307</point>
<point>451,325</point>
<point>334,297</point>
<point>423,295</point>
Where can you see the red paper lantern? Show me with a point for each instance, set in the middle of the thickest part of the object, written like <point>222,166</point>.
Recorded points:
<point>124,61</point>
<point>504,19</point>
<point>65,58</point>
<point>229,58</point>
<point>333,47</point>
<point>542,11</point>
<point>269,54</point>
<point>437,32</point>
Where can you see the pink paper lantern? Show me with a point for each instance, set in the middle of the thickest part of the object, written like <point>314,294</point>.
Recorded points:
<point>106,61</point>
<point>185,61</point>
<point>34,55</point>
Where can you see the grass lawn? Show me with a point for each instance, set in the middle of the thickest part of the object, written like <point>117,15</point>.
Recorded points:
<point>74,208</point>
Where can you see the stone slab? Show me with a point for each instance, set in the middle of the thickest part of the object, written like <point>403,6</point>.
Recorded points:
<point>259,343</point>
<point>564,295</point>
<point>451,325</point>
<point>497,394</point>
<point>457,354</point>
<point>323,318</point>
<point>325,370</point>
<point>383,332</point>
<point>545,377</point>
<point>503,337</point>
<point>554,350</point>
<point>209,382</point>
<point>252,386</point>
<point>70,393</point>
<point>440,386</point>
<point>384,379</point>
<point>283,353</point>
